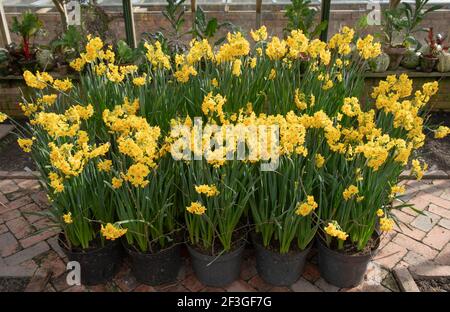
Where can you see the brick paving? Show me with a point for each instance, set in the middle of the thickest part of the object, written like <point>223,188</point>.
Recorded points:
<point>419,240</point>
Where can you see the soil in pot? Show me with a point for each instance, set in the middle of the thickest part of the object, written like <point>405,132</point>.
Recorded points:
<point>98,264</point>
<point>159,267</point>
<point>345,268</point>
<point>279,269</point>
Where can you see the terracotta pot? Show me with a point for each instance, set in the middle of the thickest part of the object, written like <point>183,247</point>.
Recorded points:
<point>427,63</point>
<point>395,56</point>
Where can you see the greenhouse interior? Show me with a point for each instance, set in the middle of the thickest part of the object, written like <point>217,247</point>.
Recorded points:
<point>232,146</point>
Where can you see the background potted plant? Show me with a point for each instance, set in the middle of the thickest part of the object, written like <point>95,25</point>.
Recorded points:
<point>393,23</point>
<point>27,28</point>
<point>429,56</point>
<point>400,23</point>
<point>67,47</point>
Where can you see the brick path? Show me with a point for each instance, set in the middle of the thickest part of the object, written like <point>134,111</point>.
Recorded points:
<point>425,238</point>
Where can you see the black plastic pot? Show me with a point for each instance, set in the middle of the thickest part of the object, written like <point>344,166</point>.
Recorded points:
<point>340,269</point>
<point>280,269</point>
<point>217,271</point>
<point>155,268</point>
<point>97,265</point>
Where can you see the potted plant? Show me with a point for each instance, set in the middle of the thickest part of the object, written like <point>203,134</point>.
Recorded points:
<point>145,193</point>
<point>361,182</point>
<point>27,28</point>
<point>67,47</point>
<point>429,57</point>
<point>401,21</point>
<point>282,210</point>
<point>215,193</point>
<point>60,140</point>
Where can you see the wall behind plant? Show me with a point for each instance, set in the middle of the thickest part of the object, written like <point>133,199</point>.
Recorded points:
<point>152,21</point>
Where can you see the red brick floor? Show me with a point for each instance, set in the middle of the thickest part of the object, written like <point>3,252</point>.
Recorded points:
<point>420,239</point>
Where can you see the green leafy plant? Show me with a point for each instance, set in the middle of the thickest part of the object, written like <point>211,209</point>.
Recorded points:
<point>402,22</point>
<point>174,14</point>
<point>414,17</point>
<point>70,43</point>
<point>27,28</point>
<point>207,29</point>
<point>301,16</point>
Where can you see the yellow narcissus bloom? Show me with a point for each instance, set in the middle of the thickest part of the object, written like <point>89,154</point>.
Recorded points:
<point>56,182</point>
<point>342,40</point>
<point>213,104</point>
<point>276,49</point>
<point>386,224</point>
<point>297,43</point>
<point>214,83</point>
<point>417,169</point>
<point>114,74</point>
<point>380,213</point>
<point>38,81</point>
<point>305,208</point>
<point>116,182</point>
<point>237,67</point>
<point>320,160</point>
<point>25,144</point>
<point>253,62</point>
<point>259,51</point>
<point>196,208</point>
<point>299,100</point>
<point>367,48</point>
<point>259,34</point>
<point>68,218</point>
<point>104,165</point>
<point>397,189</point>
<point>3,117</point>
<point>140,81</point>
<point>273,74</point>
<point>48,99</point>
<point>327,85</point>
<point>235,47</point>
<point>441,132</point>
<point>182,75</point>
<point>112,232</point>
<point>78,64</point>
<point>156,55</point>
<point>208,190</point>
<point>199,50</point>
<point>62,85</point>
<point>351,107</point>
<point>318,49</point>
<point>350,191</point>
<point>136,175</point>
<point>334,230</point>
<point>100,69</point>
